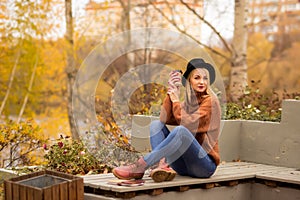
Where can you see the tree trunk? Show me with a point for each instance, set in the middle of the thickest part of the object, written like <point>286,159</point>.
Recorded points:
<point>125,19</point>
<point>238,77</point>
<point>11,79</point>
<point>28,91</point>
<point>70,68</point>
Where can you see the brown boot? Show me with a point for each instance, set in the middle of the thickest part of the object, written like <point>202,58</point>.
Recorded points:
<point>163,174</point>
<point>134,171</point>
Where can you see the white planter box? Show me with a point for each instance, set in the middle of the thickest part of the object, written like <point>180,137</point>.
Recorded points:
<point>253,141</point>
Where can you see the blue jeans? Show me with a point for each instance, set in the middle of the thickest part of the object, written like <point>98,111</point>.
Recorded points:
<point>181,150</point>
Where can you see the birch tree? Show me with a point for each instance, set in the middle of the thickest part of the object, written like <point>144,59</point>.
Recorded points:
<point>238,77</point>
<point>70,68</point>
<point>10,82</point>
<point>28,91</point>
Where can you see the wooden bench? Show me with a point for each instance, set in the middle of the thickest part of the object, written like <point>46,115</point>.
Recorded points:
<point>227,174</point>
<point>270,151</point>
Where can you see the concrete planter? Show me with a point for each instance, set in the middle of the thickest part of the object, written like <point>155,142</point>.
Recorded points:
<point>254,141</point>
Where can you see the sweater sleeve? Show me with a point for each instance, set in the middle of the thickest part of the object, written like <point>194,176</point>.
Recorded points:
<point>166,112</point>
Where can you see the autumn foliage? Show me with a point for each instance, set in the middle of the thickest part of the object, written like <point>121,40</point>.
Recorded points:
<point>29,50</point>
<point>20,144</point>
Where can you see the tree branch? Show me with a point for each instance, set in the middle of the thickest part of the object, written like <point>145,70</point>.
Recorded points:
<point>172,21</point>
<point>208,24</point>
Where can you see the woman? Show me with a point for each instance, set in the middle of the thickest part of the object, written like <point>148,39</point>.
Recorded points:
<point>191,149</point>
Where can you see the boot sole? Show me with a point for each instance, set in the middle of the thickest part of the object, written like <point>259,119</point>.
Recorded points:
<point>161,175</point>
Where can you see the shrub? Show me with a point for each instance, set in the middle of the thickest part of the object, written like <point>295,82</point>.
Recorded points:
<point>254,105</point>
<point>110,151</point>
<point>250,112</point>
<point>71,156</point>
<point>20,143</point>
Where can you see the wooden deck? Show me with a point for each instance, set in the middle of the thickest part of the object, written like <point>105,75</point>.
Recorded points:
<point>227,174</point>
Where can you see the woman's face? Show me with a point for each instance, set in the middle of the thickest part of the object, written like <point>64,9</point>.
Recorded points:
<point>199,80</point>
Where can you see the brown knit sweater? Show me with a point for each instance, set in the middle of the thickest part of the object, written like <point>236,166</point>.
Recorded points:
<point>202,119</point>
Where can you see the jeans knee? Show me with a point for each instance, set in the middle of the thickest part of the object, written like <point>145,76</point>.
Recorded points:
<point>183,133</point>
<point>180,129</point>
<point>156,126</point>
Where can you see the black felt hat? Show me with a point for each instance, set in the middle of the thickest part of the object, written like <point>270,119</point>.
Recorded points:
<point>199,63</point>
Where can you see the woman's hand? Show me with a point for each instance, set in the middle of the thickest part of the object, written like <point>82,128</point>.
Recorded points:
<point>174,86</point>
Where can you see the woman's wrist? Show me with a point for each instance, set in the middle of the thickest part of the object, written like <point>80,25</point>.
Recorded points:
<point>173,97</point>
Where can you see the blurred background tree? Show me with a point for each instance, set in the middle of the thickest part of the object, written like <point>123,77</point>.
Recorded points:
<point>42,47</point>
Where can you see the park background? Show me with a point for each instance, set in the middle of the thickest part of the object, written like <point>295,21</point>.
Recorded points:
<point>254,44</point>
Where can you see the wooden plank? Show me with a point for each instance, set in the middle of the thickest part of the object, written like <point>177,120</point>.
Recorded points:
<point>231,183</point>
<point>60,174</point>
<point>29,193</point>
<point>106,177</point>
<point>230,172</point>
<point>155,192</point>
<point>254,167</point>
<point>38,194</point>
<point>216,176</point>
<point>254,170</point>
<point>247,166</point>
<point>79,189</point>
<point>32,175</point>
<point>234,164</point>
<point>47,193</point>
<point>72,190</point>
<point>208,185</point>
<point>270,183</point>
<point>15,192</point>
<point>291,176</point>
<point>27,176</point>
<point>23,194</point>
<point>126,195</point>
<point>183,188</point>
<point>109,176</point>
<point>63,191</point>
<point>149,184</point>
<point>8,190</point>
<point>93,176</point>
<point>55,192</point>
